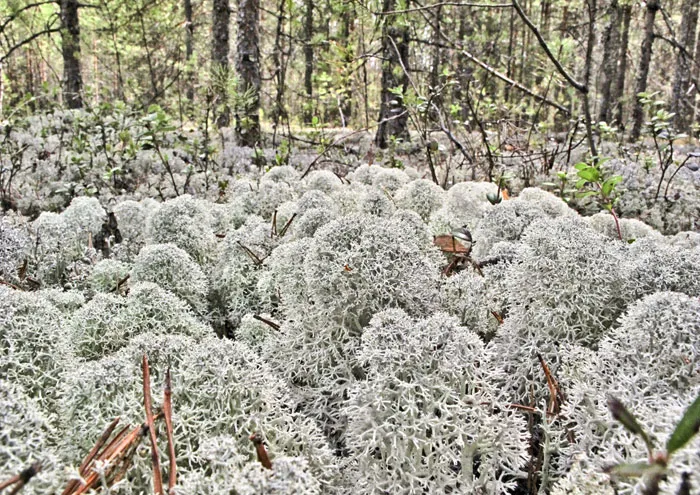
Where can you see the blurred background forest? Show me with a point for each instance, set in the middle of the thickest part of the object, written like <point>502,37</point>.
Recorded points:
<point>483,80</point>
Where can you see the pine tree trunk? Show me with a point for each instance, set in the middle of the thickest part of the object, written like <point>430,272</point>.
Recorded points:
<point>70,38</point>
<point>681,103</point>
<point>696,78</point>
<point>611,50</point>
<point>221,15</point>
<point>618,94</point>
<point>248,69</point>
<point>345,32</point>
<point>395,60</point>
<point>653,6</point>
<point>189,48</point>
<point>308,60</point>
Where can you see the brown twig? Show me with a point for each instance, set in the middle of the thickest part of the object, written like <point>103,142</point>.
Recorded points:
<point>22,478</point>
<point>273,229</point>
<point>257,440</point>
<point>267,322</point>
<point>555,395</point>
<point>286,225</point>
<point>157,477</point>
<point>168,414</point>
<point>250,253</point>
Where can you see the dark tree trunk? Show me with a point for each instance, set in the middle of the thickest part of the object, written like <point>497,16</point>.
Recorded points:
<point>221,15</point>
<point>279,111</point>
<point>464,68</point>
<point>308,60</point>
<point>437,40</point>
<point>393,119</point>
<point>189,48</point>
<point>618,94</point>
<point>248,69</point>
<point>653,6</point>
<point>681,101</point>
<point>70,38</point>
<point>611,51</point>
<point>696,78</point>
<point>345,32</point>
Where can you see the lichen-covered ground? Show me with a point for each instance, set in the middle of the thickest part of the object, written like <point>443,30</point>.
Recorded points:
<point>316,312</point>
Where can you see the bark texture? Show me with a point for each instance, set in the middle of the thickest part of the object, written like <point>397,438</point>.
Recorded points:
<point>70,39</point>
<point>221,15</point>
<point>681,101</point>
<point>308,60</point>
<point>653,6</point>
<point>248,70</point>
<point>393,119</point>
<point>611,51</point>
<point>617,96</point>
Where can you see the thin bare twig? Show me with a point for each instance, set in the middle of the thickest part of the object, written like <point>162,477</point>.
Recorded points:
<point>157,477</point>
<point>446,4</point>
<point>22,478</point>
<point>271,324</point>
<point>168,414</point>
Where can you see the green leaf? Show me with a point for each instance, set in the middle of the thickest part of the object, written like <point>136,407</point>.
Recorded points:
<point>585,194</point>
<point>580,166</point>
<point>627,419</point>
<point>687,427</point>
<point>609,184</point>
<point>590,174</point>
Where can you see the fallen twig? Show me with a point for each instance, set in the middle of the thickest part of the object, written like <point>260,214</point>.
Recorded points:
<point>157,477</point>
<point>168,413</point>
<point>267,322</point>
<point>21,479</point>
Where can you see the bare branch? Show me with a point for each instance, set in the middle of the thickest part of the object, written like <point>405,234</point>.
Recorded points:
<point>446,4</point>
<point>576,84</point>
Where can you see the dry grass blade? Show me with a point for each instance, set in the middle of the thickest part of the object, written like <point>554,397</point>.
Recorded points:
<point>250,253</point>
<point>273,229</point>
<point>260,450</point>
<point>157,477</point>
<point>267,322</point>
<point>21,479</point>
<point>554,393</point>
<point>72,485</point>
<point>168,413</point>
<point>286,225</point>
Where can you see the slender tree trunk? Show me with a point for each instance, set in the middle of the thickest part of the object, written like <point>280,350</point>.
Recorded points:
<point>653,6</point>
<point>346,24</point>
<point>308,60</point>
<point>511,45</point>
<point>437,39</point>
<point>618,94</point>
<point>590,44</point>
<point>279,112</point>
<point>464,68</point>
<point>696,78</point>
<point>681,101</point>
<point>189,49</point>
<point>221,15</point>
<point>248,69</point>
<point>393,119</point>
<point>70,37</point>
<point>611,51</point>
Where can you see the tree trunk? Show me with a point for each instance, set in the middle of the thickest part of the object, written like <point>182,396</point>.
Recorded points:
<point>464,68</point>
<point>681,102</point>
<point>618,94</point>
<point>308,61</point>
<point>393,119</point>
<point>189,49</point>
<point>696,78</point>
<point>248,69</point>
<point>221,15</point>
<point>653,6</point>
<point>70,38</point>
<point>279,111</point>
<point>611,51</point>
<point>346,25</point>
